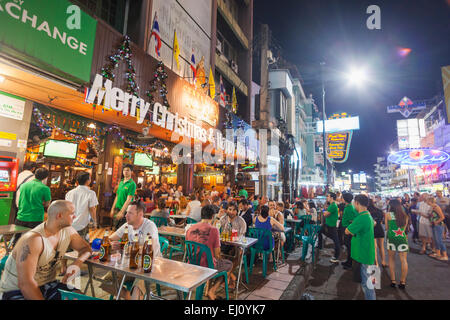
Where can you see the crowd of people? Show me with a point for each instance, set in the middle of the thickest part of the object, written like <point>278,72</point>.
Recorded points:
<point>360,223</point>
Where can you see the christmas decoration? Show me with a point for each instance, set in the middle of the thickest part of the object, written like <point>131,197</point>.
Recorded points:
<point>159,80</point>
<point>123,52</point>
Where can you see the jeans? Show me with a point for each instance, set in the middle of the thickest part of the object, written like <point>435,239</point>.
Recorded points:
<point>438,231</point>
<point>331,232</point>
<point>368,288</point>
<point>415,224</point>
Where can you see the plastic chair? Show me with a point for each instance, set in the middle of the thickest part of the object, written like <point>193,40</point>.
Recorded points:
<point>191,221</point>
<point>166,249</point>
<point>310,239</point>
<point>159,221</point>
<point>262,235</point>
<point>289,238</point>
<point>299,230</point>
<point>67,295</point>
<point>194,253</point>
<point>3,263</point>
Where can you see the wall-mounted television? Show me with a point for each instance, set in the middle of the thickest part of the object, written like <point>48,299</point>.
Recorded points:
<point>143,159</point>
<point>60,149</point>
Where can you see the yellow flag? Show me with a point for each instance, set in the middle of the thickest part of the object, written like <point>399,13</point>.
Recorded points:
<point>212,84</point>
<point>176,49</point>
<point>234,101</point>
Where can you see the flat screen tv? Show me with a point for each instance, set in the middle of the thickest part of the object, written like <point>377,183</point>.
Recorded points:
<point>60,149</point>
<point>143,159</point>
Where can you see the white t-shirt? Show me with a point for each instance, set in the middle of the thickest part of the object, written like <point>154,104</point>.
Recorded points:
<point>82,198</point>
<point>20,179</point>
<point>195,210</point>
<point>147,226</point>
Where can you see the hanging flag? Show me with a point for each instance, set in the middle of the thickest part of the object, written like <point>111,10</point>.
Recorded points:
<point>234,102</point>
<point>176,49</point>
<point>194,70</point>
<point>222,93</point>
<point>212,84</point>
<point>155,32</point>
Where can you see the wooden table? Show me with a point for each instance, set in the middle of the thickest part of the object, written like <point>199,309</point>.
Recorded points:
<point>177,275</point>
<point>9,230</point>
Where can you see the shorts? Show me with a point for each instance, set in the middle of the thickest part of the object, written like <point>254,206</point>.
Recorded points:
<point>224,265</point>
<point>425,230</point>
<point>49,291</point>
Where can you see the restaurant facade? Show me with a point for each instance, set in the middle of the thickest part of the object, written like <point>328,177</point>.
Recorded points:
<point>77,95</point>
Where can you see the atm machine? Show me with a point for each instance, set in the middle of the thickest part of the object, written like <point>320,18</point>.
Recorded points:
<point>9,170</point>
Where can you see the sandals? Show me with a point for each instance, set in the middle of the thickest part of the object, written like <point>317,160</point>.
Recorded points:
<point>393,284</point>
<point>441,258</point>
<point>402,285</point>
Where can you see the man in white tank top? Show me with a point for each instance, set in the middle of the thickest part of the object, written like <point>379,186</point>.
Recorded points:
<point>30,271</point>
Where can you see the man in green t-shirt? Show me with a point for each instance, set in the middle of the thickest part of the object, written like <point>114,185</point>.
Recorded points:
<point>329,229</point>
<point>34,197</point>
<point>348,216</point>
<point>363,246</point>
<point>124,196</point>
<point>243,192</point>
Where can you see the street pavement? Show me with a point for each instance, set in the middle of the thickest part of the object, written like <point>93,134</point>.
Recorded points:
<point>428,279</point>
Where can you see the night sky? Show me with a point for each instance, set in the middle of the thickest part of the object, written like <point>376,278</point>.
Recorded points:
<point>334,31</point>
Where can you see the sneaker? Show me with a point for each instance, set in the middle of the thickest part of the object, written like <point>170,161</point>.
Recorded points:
<point>334,260</point>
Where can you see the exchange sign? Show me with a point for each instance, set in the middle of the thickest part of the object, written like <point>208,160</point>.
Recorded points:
<point>339,145</point>
<point>419,157</point>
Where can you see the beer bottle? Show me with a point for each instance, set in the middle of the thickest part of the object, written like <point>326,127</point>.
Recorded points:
<point>147,255</point>
<point>134,254</point>
<point>105,249</point>
<point>124,239</point>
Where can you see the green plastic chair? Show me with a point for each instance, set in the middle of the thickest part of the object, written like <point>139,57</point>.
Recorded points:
<point>194,253</point>
<point>191,221</point>
<point>159,221</point>
<point>261,235</point>
<point>300,231</point>
<point>3,263</point>
<point>289,238</point>
<point>67,295</point>
<point>167,250</point>
<point>310,239</point>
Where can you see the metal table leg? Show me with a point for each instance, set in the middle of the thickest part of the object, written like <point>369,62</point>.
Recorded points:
<point>180,295</point>
<point>121,284</point>
<point>90,281</point>
<point>239,273</point>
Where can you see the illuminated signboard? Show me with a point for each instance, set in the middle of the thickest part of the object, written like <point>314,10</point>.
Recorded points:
<point>406,107</point>
<point>338,125</point>
<point>338,146</point>
<point>419,157</point>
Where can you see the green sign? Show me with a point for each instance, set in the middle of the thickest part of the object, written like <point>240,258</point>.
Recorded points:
<point>53,35</point>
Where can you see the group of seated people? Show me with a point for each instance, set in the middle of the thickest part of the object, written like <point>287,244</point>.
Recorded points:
<point>31,269</point>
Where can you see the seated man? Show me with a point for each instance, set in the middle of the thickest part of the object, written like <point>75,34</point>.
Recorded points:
<point>232,221</point>
<point>203,232</point>
<point>30,271</point>
<point>137,226</point>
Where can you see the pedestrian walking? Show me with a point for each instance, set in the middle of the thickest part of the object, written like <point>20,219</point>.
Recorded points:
<point>378,217</point>
<point>437,221</point>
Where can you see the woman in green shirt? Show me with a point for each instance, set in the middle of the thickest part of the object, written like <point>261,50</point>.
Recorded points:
<point>396,221</point>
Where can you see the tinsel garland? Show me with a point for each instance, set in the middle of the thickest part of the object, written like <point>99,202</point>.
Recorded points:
<point>123,52</point>
<point>159,79</point>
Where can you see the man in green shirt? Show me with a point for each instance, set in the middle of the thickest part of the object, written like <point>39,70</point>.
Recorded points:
<point>243,192</point>
<point>329,229</point>
<point>124,196</point>
<point>34,197</point>
<point>363,246</point>
<point>349,215</point>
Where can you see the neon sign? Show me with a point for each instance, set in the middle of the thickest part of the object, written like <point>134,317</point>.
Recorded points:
<point>339,136</point>
<point>406,107</point>
<point>419,157</point>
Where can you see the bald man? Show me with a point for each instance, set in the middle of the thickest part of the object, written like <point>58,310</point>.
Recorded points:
<point>30,271</point>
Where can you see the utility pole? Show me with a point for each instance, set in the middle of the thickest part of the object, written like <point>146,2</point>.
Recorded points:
<point>323,121</point>
<point>264,108</point>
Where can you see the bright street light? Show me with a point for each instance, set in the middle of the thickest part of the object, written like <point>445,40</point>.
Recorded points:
<point>356,76</point>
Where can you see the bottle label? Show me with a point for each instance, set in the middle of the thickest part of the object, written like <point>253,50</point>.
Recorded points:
<point>147,262</point>
<point>136,258</point>
<point>102,252</point>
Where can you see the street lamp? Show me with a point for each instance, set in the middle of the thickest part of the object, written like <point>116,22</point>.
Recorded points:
<point>356,77</point>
